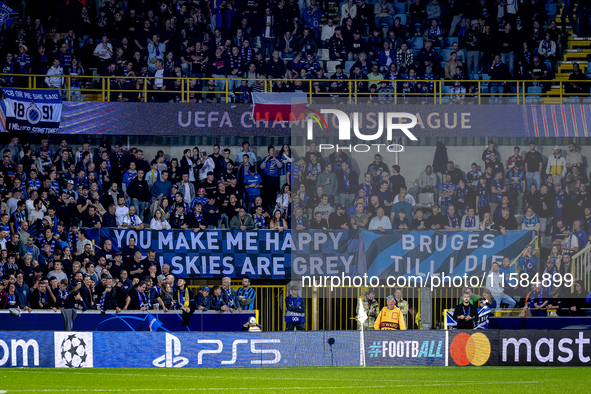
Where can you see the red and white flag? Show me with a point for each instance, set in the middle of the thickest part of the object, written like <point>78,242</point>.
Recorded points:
<point>278,107</point>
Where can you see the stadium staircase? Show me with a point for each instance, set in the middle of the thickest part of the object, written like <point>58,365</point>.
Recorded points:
<point>576,51</point>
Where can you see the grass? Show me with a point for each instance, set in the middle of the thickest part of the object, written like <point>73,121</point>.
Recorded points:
<point>313,379</point>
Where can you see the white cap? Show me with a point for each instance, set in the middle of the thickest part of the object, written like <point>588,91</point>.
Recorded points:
<point>252,320</point>
<point>556,147</point>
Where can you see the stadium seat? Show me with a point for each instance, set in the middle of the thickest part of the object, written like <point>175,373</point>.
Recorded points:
<point>348,65</point>
<point>450,40</point>
<point>474,76</point>
<point>519,219</point>
<point>550,9</point>
<point>445,89</point>
<point>417,43</point>
<point>426,200</point>
<point>331,65</point>
<point>323,54</point>
<point>546,242</point>
<point>445,54</point>
<point>534,91</point>
<point>399,8</point>
<point>572,100</point>
<point>402,17</point>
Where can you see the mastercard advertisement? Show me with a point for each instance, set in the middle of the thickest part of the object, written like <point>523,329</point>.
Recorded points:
<point>476,348</point>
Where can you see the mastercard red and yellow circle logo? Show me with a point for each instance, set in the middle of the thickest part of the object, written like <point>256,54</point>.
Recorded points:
<point>469,349</point>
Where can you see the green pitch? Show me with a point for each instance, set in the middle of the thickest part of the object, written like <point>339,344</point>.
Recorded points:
<point>279,379</point>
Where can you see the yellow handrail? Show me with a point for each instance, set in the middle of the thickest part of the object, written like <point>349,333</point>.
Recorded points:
<point>104,89</point>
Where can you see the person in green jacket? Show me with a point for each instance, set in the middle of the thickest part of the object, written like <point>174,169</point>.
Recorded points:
<point>372,308</point>
<point>242,221</point>
<point>474,298</point>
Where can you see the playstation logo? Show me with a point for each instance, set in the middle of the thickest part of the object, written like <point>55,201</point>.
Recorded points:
<point>170,359</point>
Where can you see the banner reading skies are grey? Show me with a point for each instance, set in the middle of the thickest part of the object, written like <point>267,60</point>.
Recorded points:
<point>236,119</point>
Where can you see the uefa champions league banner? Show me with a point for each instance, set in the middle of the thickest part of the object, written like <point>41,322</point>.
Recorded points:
<point>481,324</point>
<point>33,111</point>
<point>437,253</point>
<point>236,119</point>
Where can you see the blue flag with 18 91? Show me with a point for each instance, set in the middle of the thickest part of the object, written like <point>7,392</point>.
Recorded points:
<point>7,16</point>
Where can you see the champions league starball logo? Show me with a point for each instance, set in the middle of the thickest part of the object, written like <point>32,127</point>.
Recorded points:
<point>73,350</point>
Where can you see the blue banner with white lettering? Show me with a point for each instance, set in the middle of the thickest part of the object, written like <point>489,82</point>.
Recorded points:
<point>437,253</point>
<point>208,254</point>
<point>87,349</point>
<point>33,111</point>
<point>7,16</point>
<point>405,348</point>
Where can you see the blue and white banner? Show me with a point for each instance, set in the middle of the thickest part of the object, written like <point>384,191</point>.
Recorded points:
<point>210,254</point>
<point>292,349</point>
<point>7,16</point>
<point>177,350</point>
<point>33,111</point>
<point>438,253</point>
<point>481,323</point>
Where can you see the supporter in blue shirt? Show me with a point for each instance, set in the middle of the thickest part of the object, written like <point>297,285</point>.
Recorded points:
<point>162,187</point>
<point>527,263</point>
<point>211,213</point>
<point>246,295</point>
<point>253,183</point>
<point>271,166</point>
<point>216,300</point>
<point>202,301</point>
<point>580,234</point>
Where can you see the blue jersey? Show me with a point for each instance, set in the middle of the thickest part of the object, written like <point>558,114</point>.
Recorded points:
<point>514,175</point>
<point>499,185</point>
<point>203,200</point>
<point>247,293</point>
<point>271,167</point>
<point>446,201</point>
<point>531,222</point>
<point>558,211</point>
<point>35,184</point>
<point>251,179</point>
<point>484,196</point>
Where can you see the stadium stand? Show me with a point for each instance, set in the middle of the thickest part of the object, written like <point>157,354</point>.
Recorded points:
<point>200,51</point>
<point>52,193</point>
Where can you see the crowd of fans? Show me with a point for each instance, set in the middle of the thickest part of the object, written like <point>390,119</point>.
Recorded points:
<point>52,194</point>
<point>379,46</point>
